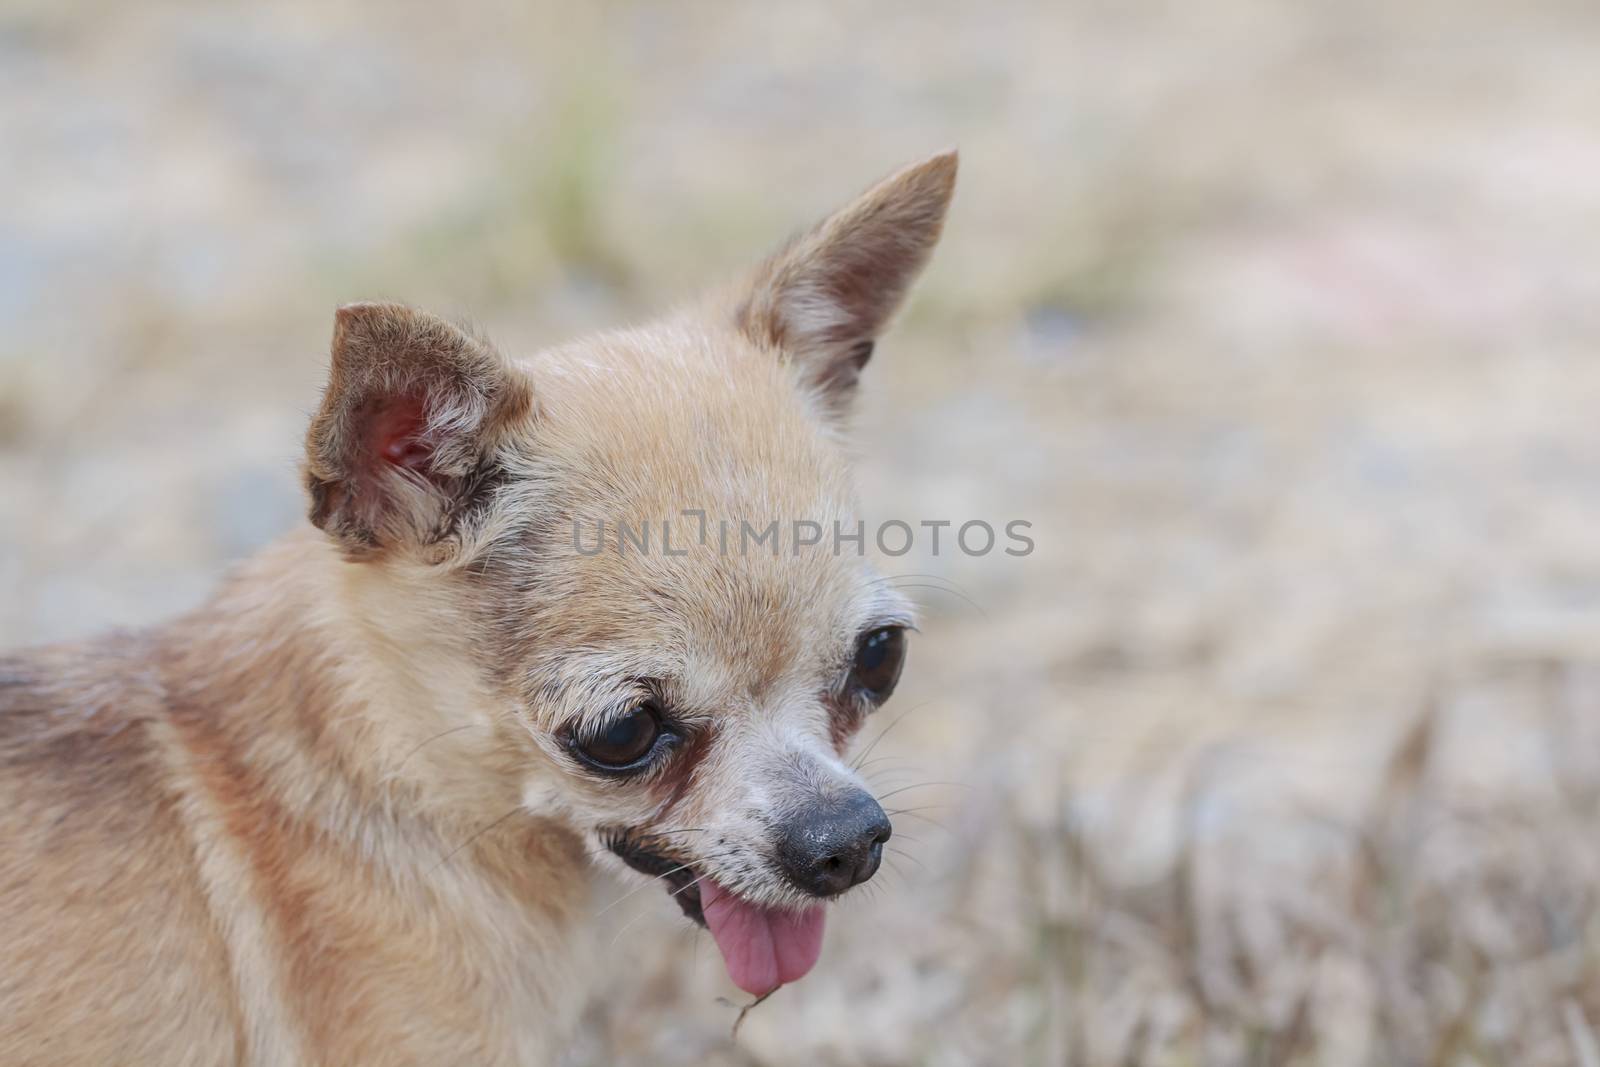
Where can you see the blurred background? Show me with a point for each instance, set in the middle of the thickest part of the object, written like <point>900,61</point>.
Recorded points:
<point>1278,321</point>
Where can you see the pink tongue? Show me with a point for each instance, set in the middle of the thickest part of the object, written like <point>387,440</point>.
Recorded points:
<point>763,947</point>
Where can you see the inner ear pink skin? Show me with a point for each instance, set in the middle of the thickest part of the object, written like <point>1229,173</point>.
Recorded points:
<point>396,433</point>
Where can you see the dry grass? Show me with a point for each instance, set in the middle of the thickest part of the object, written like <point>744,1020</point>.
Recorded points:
<point>1424,932</point>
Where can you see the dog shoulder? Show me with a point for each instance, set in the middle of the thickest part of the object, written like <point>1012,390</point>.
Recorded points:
<point>91,853</point>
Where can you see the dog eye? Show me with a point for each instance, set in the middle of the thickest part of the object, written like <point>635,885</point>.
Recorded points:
<point>879,657</point>
<point>626,743</point>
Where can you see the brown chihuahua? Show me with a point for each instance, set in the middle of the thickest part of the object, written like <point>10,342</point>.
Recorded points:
<point>345,812</point>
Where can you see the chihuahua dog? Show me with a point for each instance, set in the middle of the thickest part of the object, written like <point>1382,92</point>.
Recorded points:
<point>347,811</point>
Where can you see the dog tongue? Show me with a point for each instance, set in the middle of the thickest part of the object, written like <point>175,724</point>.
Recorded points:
<point>763,947</point>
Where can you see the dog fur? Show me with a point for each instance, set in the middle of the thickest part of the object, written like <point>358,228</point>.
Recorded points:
<point>333,816</point>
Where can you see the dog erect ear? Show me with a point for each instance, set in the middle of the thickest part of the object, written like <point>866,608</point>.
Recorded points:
<point>406,439</point>
<point>823,300</point>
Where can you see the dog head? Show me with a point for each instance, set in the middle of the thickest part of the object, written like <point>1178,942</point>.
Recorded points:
<point>639,553</point>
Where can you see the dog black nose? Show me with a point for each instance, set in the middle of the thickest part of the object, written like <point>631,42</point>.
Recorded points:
<point>835,844</point>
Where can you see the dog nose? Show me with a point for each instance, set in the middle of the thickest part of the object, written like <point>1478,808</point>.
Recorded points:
<point>835,844</point>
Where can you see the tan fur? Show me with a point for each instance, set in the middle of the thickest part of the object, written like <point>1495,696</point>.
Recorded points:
<point>330,817</point>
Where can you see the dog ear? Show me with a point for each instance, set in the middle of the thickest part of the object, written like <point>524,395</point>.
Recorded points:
<point>406,440</point>
<point>823,300</point>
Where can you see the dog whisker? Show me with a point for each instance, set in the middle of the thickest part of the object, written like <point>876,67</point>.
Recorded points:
<point>646,885</point>
<point>889,851</point>
<point>626,927</point>
<point>891,579</point>
<point>973,604</point>
<point>933,823</point>
<point>683,889</point>
<point>862,768</point>
<point>916,813</point>
<point>395,770</point>
<point>898,719</point>
<point>892,779</point>
<point>923,785</point>
<point>605,850</point>
<point>629,924</point>
<point>479,833</point>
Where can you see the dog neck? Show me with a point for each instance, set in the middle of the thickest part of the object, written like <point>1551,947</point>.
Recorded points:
<point>319,682</point>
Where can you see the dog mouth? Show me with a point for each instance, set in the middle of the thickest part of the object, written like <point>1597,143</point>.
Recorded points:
<point>763,947</point>
<point>683,881</point>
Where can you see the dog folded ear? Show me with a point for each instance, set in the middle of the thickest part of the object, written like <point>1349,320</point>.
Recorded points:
<point>823,300</point>
<point>407,436</point>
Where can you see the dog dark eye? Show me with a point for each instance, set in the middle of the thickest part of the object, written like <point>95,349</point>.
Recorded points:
<point>879,657</point>
<point>626,743</point>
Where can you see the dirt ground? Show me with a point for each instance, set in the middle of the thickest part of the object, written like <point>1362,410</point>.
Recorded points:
<point>1278,321</point>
